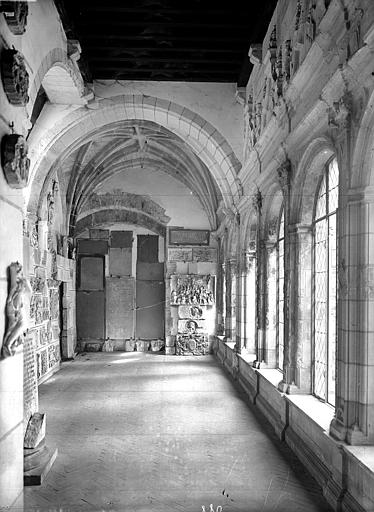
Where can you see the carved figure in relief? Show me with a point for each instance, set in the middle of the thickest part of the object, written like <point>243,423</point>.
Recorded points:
<point>20,290</point>
<point>14,160</point>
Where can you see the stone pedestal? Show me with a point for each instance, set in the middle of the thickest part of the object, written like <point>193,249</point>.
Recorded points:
<point>38,457</point>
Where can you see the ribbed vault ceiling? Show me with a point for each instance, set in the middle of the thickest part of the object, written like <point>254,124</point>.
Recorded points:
<point>135,144</point>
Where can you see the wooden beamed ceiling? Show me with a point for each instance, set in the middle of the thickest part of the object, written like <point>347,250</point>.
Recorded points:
<point>175,40</point>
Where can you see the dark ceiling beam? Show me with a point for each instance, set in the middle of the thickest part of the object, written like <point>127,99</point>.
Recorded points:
<point>123,69</point>
<point>189,25</point>
<point>225,39</point>
<point>181,11</point>
<point>103,48</point>
<point>152,60</point>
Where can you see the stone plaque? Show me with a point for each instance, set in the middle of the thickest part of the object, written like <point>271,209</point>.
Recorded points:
<point>189,237</point>
<point>195,312</point>
<point>205,254</point>
<point>120,261</point>
<point>196,345</point>
<point>191,326</point>
<point>120,307</point>
<point>176,254</point>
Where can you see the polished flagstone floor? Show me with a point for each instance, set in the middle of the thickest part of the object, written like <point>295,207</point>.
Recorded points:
<point>148,432</point>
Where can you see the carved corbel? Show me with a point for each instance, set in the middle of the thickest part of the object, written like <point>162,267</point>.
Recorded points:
<point>339,113</point>
<point>15,77</point>
<point>15,14</point>
<point>14,160</point>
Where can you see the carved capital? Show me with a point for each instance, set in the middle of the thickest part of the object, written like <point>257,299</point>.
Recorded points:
<point>14,160</point>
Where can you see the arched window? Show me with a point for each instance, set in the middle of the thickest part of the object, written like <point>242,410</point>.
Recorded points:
<point>325,280</point>
<point>280,291</point>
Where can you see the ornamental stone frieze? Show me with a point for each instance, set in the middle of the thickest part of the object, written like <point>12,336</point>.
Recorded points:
<point>15,14</point>
<point>14,160</point>
<point>15,77</point>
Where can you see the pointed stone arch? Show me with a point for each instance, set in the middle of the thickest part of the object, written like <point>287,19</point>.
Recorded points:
<point>82,124</point>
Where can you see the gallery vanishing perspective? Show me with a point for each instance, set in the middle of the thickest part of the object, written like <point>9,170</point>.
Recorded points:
<point>211,225</point>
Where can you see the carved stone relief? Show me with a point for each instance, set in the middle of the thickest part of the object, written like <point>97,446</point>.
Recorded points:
<point>124,199</point>
<point>15,14</point>
<point>14,160</point>
<point>15,77</point>
<point>19,293</point>
<point>188,289</point>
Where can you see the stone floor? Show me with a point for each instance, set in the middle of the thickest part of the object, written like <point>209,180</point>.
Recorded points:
<point>148,432</point>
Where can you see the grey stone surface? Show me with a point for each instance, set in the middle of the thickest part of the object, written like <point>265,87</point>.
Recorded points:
<point>163,420</point>
<point>119,307</point>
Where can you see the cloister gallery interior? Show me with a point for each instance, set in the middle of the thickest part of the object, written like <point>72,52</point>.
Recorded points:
<point>187,255</point>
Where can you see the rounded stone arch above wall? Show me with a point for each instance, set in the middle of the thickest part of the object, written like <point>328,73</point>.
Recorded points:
<point>80,125</point>
<point>60,77</point>
<point>115,216</point>
<point>307,178</point>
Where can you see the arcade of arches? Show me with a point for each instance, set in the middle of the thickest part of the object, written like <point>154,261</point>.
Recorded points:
<point>198,219</point>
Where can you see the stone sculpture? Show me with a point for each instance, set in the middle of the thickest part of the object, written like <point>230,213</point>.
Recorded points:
<point>15,14</point>
<point>20,290</point>
<point>14,160</point>
<point>15,77</point>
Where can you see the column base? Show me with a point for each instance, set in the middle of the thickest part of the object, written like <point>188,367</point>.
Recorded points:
<point>337,430</point>
<point>37,463</point>
<point>291,389</point>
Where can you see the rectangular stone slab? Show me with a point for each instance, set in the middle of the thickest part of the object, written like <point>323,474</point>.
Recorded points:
<point>120,307</point>
<point>120,262</point>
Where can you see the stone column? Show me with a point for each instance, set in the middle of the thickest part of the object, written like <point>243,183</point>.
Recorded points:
<point>249,302</point>
<point>297,332</point>
<point>260,304</point>
<point>270,305</point>
<point>231,283</point>
<point>354,416</point>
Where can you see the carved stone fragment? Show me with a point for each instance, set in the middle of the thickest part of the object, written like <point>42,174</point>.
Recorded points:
<point>15,77</point>
<point>14,160</point>
<point>35,431</point>
<point>15,14</point>
<point>19,290</point>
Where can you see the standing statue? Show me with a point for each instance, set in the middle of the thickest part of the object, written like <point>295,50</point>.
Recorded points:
<point>20,290</point>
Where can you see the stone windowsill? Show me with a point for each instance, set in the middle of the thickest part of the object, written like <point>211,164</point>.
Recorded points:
<point>319,412</point>
<point>363,454</point>
<point>272,375</point>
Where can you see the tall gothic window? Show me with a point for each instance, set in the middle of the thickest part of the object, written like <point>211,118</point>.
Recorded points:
<point>280,292</point>
<point>325,283</point>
